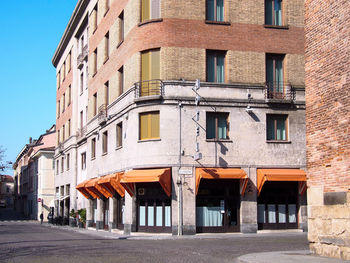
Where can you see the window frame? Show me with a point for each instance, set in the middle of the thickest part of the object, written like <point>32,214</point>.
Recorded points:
<point>275,119</point>
<point>216,116</point>
<point>119,135</point>
<point>67,162</point>
<point>215,54</point>
<point>83,160</point>
<point>93,148</point>
<point>149,115</point>
<point>215,6</point>
<point>273,18</point>
<point>105,143</point>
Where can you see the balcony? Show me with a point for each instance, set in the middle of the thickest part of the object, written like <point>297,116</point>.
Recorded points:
<point>147,88</point>
<point>60,147</point>
<point>82,57</point>
<point>81,132</point>
<point>279,92</point>
<point>102,114</point>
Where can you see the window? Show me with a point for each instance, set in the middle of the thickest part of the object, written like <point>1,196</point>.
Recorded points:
<point>63,133</point>
<point>94,18</point>
<point>63,102</point>
<point>150,70</point>
<point>58,109</point>
<point>81,83</point>
<point>95,104</point>
<point>149,125</point>
<point>121,26</point>
<point>64,70</point>
<point>58,137</point>
<point>83,161</point>
<point>93,148</point>
<point>217,125</point>
<point>82,43</point>
<point>106,6</point>
<point>69,61</point>
<point>273,12</point>
<point>215,10</point>
<point>276,127</point>
<point>106,93</point>
<point>106,50</point>
<point>94,60</point>
<point>58,82</point>
<point>69,128</point>
<point>62,164</point>
<point>81,120</point>
<point>105,142</point>
<point>121,80</point>
<point>67,161</point>
<point>69,94</point>
<point>150,9</point>
<point>274,75</point>
<point>216,66</point>
<point>119,138</point>
<point>57,166</point>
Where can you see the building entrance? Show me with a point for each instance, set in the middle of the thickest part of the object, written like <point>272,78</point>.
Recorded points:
<point>218,206</point>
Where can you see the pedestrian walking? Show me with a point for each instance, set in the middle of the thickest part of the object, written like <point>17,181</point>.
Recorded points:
<point>41,218</point>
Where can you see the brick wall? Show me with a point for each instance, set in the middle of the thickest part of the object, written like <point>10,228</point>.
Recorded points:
<point>328,114</point>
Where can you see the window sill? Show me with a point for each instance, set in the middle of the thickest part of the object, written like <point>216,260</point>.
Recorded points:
<point>103,154</point>
<point>93,158</point>
<point>276,27</point>
<point>105,60</point>
<point>118,148</point>
<point>149,140</point>
<point>106,12</point>
<point>94,74</point>
<point>216,140</point>
<point>119,44</point>
<point>155,20</point>
<point>223,23</point>
<point>278,141</point>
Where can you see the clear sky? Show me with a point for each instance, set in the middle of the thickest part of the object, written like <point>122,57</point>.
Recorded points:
<point>30,32</point>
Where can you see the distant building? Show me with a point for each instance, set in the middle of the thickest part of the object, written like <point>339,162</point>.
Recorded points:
<point>149,148</point>
<point>328,126</point>
<point>6,190</point>
<point>34,178</point>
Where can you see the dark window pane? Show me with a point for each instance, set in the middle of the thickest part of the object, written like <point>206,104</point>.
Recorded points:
<point>210,126</point>
<point>210,10</point>
<point>222,129</point>
<point>210,67</point>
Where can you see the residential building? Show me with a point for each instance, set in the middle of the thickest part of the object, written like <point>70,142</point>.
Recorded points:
<point>196,115</point>
<point>34,178</point>
<point>6,190</point>
<point>327,118</point>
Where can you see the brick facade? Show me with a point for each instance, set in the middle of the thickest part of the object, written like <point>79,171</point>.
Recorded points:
<point>328,114</point>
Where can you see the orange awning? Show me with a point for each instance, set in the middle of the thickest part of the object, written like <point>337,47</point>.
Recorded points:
<point>163,176</point>
<point>222,173</point>
<point>98,190</point>
<point>111,183</point>
<point>292,175</point>
<point>82,189</point>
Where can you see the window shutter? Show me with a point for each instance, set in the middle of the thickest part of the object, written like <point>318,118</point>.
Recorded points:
<point>145,5</point>
<point>144,126</point>
<point>155,125</point>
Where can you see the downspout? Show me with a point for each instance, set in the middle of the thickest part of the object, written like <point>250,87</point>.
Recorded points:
<point>179,179</point>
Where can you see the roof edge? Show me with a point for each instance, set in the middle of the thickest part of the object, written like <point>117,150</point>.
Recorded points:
<point>68,32</point>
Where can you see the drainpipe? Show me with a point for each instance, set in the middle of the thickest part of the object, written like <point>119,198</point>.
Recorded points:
<point>179,179</point>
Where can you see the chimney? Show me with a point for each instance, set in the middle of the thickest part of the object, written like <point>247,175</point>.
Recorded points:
<point>30,140</point>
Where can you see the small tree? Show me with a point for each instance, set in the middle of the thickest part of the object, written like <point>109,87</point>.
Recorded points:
<point>3,164</point>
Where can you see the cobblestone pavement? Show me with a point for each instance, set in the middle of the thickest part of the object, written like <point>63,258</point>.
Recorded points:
<point>31,242</point>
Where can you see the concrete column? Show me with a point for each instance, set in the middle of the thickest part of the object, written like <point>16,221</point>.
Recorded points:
<point>99,219</point>
<point>188,200</point>
<point>112,224</point>
<point>130,214</point>
<point>249,207</point>
<point>89,213</point>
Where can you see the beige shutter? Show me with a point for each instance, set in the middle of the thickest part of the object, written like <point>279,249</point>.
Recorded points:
<point>145,6</point>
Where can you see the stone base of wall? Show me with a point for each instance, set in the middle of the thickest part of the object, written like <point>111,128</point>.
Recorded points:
<point>329,224</point>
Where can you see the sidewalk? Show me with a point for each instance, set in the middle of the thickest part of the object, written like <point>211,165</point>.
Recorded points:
<point>286,257</point>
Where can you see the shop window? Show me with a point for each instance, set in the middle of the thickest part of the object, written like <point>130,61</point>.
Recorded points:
<point>149,125</point>
<point>105,142</point>
<point>216,66</point>
<point>215,10</point>
<point>150,72</point>
<point>277,127</point>
<point>217,126</point>
<point>119,132</point>
<point>273,12</point>
<point>93,148</point>
<point>150,9</point>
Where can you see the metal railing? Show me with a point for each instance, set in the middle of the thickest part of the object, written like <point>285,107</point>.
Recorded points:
<point>279,91</point>
<point>152,87</point>
<point>102,114</point>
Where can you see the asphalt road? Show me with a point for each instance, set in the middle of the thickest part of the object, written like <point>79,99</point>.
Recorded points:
<point>28,241</point>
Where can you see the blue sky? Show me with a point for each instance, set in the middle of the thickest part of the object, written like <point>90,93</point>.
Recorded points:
<point>30,32</point>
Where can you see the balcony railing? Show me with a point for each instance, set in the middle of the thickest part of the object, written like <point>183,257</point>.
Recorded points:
<point>102,114</point>
<point>81,132</point>
<point>152,87</point>
<point>279,91</point>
